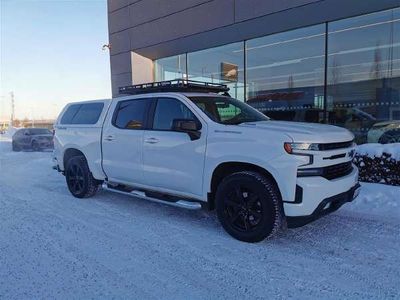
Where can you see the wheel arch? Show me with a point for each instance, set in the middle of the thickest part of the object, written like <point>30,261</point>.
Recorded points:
<point>226,168</point>
<point>91,153</point>
<point>384,137</point>
<point>88,185</point>
<point>71,152</point>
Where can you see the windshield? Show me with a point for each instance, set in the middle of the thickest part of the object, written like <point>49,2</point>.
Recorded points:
<point>227,110</point>
<point>35,131</point>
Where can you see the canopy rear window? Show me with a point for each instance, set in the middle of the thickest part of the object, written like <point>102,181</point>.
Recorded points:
<point>84,114</point>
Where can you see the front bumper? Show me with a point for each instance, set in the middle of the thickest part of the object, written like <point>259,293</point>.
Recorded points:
<point>45,144</point>
<point>313,190</point>
<point>327,206</point>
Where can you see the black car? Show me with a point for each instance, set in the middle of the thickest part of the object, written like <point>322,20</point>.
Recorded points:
<point>35,139</point>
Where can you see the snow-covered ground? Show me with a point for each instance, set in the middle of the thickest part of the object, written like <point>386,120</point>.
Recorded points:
<point>112,246</point>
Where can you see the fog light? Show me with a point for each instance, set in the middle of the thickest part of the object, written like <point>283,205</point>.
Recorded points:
<point>309,172</point>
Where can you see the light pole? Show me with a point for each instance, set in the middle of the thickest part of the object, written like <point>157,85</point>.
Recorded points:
<point>32,116</point>
<point>12,109</point>
<point>2,111</point>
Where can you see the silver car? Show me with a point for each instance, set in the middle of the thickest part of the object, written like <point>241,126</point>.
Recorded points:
<point>385,132</point>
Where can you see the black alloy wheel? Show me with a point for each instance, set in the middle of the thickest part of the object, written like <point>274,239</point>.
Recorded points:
<point>35,146</point>
<point>243,208</point>
<point>249,206</point>
<point>15,147</point>
<point>76,181</point>
<point>80,180</point>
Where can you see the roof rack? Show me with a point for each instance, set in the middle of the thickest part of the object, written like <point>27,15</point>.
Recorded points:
<point>176,85</point>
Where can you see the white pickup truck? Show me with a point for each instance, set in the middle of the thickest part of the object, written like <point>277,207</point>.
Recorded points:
<point>185,144</point>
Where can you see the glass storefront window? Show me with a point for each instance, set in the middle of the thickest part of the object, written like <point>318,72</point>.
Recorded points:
<point>169,68</point>
<point>285,74</point>
<point>364,76</point>
<point>223,64</point>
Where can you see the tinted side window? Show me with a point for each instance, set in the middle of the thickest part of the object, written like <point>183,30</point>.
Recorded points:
<point>70,114</point>
<point>88,113</point>
<point>18,133</point>
<point>39,131</point>
<point>131,114</point>
<point>82,113</point>
<point>167,110</point>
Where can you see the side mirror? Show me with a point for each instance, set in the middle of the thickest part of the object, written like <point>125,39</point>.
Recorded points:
<point>27,133</point>
<point>190,126</point>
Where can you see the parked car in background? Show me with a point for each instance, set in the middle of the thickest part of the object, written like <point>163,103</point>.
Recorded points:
<point>385,132</point>
<point>367,128</point>
<point>35,139</point>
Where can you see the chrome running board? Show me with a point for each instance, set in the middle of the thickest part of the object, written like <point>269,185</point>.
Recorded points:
<point>140,194</point>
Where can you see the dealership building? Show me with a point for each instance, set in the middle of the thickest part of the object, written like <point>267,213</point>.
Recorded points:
<point>327,61</point>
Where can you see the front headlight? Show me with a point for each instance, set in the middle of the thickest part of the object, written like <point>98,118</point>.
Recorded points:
<point>292,147</point>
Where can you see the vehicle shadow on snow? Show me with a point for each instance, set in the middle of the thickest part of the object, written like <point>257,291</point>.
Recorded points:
<point>338,235</point>
<point>334,230</point>
<point>145,206</point>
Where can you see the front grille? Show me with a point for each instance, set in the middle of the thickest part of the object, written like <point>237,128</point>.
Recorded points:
<point>336,171</point>
<point>329,172</point>
<point>332,146</point>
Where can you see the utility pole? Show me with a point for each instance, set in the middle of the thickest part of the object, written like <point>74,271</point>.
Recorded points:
<point>12,108</point>
<point>33,118</point>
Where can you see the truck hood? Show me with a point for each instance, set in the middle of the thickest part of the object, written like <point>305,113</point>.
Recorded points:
<point>304,132</point>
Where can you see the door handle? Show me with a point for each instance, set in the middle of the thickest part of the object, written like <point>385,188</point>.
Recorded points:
<point>151,140</point>
<point>109,138</point>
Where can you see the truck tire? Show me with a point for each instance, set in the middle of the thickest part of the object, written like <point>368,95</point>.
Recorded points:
<point>35,146</point>
<point>391,136</point>
<point>79,179</point>
<point>249,206</point>
<point>15,147</point>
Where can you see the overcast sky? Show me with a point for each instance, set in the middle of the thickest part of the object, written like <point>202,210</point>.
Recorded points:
<point>51,54</point>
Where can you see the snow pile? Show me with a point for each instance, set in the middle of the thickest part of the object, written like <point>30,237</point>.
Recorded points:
<point>379,163</point>
<point>377,150</point>
<point>377,200</point>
